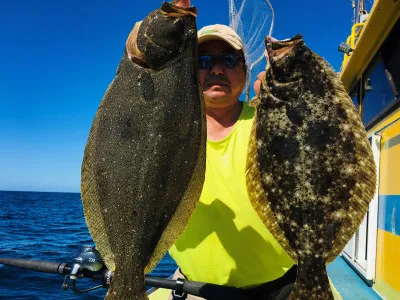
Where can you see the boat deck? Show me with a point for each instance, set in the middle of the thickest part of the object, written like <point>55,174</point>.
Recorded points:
<point>348,283</point>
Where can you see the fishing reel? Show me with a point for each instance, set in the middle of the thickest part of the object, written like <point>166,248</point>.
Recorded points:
<point>87,260</point>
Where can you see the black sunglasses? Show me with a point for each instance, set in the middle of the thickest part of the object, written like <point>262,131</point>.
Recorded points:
<point>229,61</point>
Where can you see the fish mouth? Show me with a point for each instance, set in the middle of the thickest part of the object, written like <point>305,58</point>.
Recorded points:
<point>164,31</point>
<point>278,49</point>
<point>178,8</point>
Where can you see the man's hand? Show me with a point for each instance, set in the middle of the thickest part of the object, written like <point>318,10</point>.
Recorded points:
<point>182,3</point>
<point>257,83</point>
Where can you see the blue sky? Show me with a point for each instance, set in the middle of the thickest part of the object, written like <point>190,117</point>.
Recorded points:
<point>58,57</point>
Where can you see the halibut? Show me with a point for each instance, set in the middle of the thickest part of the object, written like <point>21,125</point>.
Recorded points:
<point>310,169</point>
<point>144,162</point>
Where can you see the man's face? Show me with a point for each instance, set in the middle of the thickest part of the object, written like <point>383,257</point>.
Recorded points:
<point>221,86</point>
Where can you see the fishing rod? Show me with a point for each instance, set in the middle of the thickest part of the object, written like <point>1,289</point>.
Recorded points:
<point>89,264</point>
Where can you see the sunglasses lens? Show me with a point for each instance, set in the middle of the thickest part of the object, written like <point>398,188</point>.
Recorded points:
<point>230,61</point>
<point>206,62</point>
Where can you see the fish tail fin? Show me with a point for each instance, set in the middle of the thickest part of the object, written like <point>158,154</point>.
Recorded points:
<point>127,283</point>
<point>113,295</point>
<point>312,282</point>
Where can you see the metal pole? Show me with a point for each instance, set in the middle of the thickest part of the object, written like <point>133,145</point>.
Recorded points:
<point>360,10</point>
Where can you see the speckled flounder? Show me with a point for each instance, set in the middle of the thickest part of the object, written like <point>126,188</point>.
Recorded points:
<point>310,169</point>
<point>144,162</point>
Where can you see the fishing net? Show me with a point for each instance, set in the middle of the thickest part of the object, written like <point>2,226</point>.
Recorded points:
<point>253,20</point>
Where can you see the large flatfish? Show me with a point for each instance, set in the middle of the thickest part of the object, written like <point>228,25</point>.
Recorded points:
<point>310,169</point>
<point>144,162</point>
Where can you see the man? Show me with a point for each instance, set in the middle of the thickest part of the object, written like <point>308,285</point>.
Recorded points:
<point>225,242</point>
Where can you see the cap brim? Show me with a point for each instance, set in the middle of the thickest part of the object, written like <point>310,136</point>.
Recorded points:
<point>213,37</point>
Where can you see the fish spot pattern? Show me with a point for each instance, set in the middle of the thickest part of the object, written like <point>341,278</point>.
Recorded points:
<point>144,162</point>
<point>310,170</point>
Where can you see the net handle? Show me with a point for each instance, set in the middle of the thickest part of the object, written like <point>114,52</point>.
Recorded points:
<point>262,55</point>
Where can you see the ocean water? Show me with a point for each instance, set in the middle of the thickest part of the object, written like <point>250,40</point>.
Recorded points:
<point>51,227</point>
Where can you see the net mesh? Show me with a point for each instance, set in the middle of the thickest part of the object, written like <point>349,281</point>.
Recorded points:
<point>253,21</point>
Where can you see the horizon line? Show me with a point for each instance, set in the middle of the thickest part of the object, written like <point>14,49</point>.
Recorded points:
<point>39,192</point>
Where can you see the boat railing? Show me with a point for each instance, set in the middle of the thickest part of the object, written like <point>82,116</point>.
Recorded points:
<point>352,40</point>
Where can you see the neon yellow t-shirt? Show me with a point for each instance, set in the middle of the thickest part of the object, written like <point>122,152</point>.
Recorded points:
<point>225,242</point>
